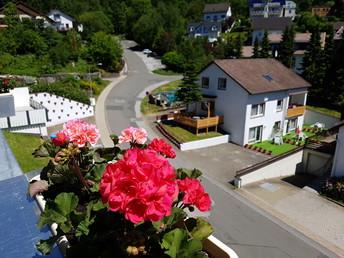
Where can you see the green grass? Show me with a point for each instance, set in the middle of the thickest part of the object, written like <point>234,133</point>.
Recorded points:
<point>165,72</point>
<point>325,111</point>
<point>23,146</point>
<point>185,136</point>
<point>146,108</point>
<point>276,149</point>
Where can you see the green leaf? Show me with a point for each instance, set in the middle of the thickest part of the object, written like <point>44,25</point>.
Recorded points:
<point>168,221</point>
<point>83,227</point>
<point>182,173</point>
<point>66,202</point>
<point>172,241</point>
<point>50,216</point>
<point>47,149</point>
<point>46,246</point>
<point>99,205</point>
<point>201,230</point>
<point>191,249</point>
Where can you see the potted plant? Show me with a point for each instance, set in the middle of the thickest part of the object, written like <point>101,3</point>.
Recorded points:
<point>113,201</point>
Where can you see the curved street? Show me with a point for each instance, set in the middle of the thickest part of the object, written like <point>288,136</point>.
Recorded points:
<point>247,229</point>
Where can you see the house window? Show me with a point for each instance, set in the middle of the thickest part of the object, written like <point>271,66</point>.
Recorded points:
<point>215,17</point>
<point>207,17</point>
<point>205,82</point>
<point>255,134</point>
<point>192,28</point>
<point>292,124</point>
<point>257,109</point>
<point>279,105</point>
<point>57,17</point>
<point>221,84</point>
<point>214,28</point>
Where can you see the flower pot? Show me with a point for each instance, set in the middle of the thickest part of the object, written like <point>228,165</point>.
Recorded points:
<point>217,249</point>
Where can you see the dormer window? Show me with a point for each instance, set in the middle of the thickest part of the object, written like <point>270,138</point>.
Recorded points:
<point>192,28</point>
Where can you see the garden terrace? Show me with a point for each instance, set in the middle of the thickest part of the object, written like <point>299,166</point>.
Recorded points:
<point>197,122</point>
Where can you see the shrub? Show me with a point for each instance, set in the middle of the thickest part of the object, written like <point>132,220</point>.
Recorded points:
<point>174,61</point>
<point>333,188</point>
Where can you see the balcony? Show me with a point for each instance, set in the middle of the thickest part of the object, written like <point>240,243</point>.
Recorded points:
<point>198,122</point>
<point>294,110</point>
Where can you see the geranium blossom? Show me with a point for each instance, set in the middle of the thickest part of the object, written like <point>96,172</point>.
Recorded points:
<point>61,139</point>
<point>133,134</point>
<point>80,133</point>
<point>140,185</point>
<point>194,193</point>
<point>162,147</point>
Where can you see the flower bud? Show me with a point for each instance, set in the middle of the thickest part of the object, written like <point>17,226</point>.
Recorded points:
<point>135,251</point>
<point>129,249</point>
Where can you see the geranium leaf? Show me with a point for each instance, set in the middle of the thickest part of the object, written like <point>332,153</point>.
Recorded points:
<point>202,229</point>
<point>46,246</point>
<point>37,187</point>
<point>66,202</point>
<point>172,241</point>
<point>191,248</point>
<point>49,216</point>
<point>167,221</point>
<point>47,149</point>
<point>99,205</point>
<point>82,228</point>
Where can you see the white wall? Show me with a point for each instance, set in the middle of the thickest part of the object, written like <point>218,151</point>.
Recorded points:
<point>311,117</point>
<point>230,103</point>
<point>218,15</point>
<point>313,161</point>
<point>284,167</point>
<point>338,161</point>
<point>21,97</point>
<point>204,143</point>
<point>64,20</point>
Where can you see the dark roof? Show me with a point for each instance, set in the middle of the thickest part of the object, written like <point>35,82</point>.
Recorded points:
<point>208,25</point>
<point>260,1</point>
<point>23,8</point>
<point>338,25</point>
<point>216,8</point>
<point>271,23</point>
<point>252,75</point>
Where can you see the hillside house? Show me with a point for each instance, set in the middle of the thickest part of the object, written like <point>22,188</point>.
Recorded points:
<point>320,10</point>
<point>272,25</point>
<point>63,22</point>
<point>274,8</point>
<point>338,160</point>
<point>26,12</point>
<point>217,12</point>
<point>211,30</point>
<point>254,96</point>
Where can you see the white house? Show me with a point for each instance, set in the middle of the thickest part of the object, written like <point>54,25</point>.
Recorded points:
<point>217,12</point>
<point>254,96</point>
<point>338,160</point>
<point>63,22</point>
<point>211,30</point>
<point>272,8</point>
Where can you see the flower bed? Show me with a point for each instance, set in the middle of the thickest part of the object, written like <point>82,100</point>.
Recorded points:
<point>333,188</point>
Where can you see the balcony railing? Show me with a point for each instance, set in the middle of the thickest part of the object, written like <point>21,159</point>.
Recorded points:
<point>199,123</point>
<point>296,111</point>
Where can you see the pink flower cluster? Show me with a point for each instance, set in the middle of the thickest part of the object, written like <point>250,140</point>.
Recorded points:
<point>79,132</point>
<point>133,134</point>
<point>194,193</point>
<point>141,185</point>
<point>162,147</point>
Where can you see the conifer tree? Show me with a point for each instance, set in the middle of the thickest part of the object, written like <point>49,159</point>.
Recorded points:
<point>265,46</point>
<point>190,91</point>
<point>287,48</point>
<point>256,48</point>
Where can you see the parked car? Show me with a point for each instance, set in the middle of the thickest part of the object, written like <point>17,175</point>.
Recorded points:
<point>147,51</point>
<point>152,54</point>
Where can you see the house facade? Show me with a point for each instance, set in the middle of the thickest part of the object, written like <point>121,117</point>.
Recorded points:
<point>320,10</point>
<point>211,30</point>
<point>26,12</point>
<point>272,25</point>
<point>338,160</point>
<point>272,8</point>
<point>217,12</point>
<point>63,22</point>
<point>255,96</point>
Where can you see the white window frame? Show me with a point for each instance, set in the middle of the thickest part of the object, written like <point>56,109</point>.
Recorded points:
<point>257,132</point>
<point>260,109</point>
<point>221,86</point>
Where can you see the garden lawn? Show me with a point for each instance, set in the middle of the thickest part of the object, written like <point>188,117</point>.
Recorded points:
<point>165,72</point>
<point>185,136</point>
<point>23,145</point>
<point>276,149</point>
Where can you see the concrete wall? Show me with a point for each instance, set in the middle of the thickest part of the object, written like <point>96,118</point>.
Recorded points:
<point>204,143</point>
<point>21,97</point>
<point>338,161</point>
<point>284,167</point>
<point>314,161</point>
<point>311,117</point>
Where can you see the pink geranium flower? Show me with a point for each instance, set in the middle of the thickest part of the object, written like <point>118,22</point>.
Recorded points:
<point>80,133</point>
<point>162,147</point>
<point>61,139</point>
<point>133,134</point>
<point>141,185</point>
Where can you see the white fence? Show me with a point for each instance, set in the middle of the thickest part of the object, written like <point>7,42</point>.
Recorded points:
<point>204,143</point>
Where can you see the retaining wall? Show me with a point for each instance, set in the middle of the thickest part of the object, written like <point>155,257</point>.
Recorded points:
<point>204,143</point>
<point>311,117</point>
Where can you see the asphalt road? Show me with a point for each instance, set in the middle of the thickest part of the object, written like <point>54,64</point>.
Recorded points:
<point>248,230</point>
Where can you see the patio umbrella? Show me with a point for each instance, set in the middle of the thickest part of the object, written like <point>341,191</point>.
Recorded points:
<point>297,131</point>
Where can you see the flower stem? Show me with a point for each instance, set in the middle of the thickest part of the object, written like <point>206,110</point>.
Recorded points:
<point>82,179</point>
